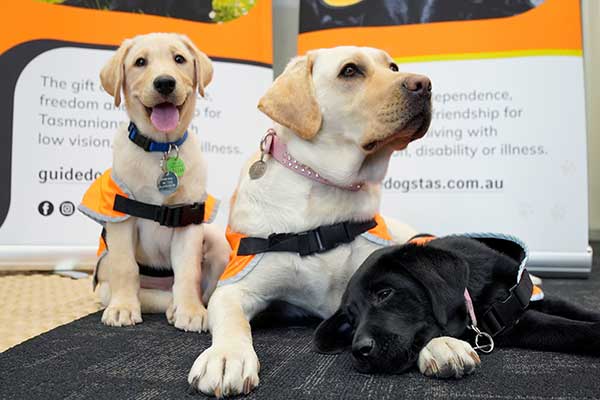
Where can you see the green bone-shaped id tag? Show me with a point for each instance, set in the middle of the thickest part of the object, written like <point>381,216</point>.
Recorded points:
<point>176,166</point>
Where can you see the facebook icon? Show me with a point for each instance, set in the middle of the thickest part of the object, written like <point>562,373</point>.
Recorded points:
<point>46,208</point>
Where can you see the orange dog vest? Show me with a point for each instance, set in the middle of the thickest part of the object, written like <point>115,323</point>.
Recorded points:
<point>239,266</point>
<point>98,201</point>
<point>98,204</point>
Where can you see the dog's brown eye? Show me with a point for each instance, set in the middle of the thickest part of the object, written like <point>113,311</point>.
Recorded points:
<point>383,295</point>
<point>140,62</point>
<point>179,59</point>
<point>349,71</point>
<point>394,67</point>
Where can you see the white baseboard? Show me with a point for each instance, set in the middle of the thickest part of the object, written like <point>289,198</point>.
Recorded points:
<point>46,258</point>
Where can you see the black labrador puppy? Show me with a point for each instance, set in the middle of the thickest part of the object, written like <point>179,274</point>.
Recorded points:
<point>403,296</point>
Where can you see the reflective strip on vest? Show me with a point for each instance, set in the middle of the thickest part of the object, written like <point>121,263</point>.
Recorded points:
<point>380,234</point>
<point>98,200</point>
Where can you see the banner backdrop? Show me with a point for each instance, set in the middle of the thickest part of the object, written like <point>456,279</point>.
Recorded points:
<point>57,124</point>
<point>506,151</point>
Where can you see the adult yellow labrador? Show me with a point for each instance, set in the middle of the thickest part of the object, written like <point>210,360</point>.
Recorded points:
<point>159,75</point>
<point>338,115</point>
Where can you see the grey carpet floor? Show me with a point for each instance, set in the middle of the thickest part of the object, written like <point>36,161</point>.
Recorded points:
<point>86,360</point>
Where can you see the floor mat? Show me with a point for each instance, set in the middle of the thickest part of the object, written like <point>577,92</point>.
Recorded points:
<point>34,303</point>
<point>85,359</point>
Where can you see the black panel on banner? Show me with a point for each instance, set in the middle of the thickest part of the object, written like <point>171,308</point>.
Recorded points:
<point>196,10</point>
<point>321,14</point>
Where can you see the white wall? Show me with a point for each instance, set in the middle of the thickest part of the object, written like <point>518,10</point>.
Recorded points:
<point>285,20</point>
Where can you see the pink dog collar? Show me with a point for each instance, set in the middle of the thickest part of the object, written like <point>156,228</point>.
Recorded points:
<point>272,145</point>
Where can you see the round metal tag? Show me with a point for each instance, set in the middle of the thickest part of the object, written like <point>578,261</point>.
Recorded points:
<point>167,183</point>
<point>257,169</point>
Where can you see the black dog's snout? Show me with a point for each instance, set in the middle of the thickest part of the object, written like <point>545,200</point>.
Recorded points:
<point>164,84</point>
<point>363,347</point>
<point>418,85</point>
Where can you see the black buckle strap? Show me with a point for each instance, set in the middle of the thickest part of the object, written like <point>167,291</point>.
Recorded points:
<point>142,141</point>
<point>150,145</point>
<point>505,314</point>
<point>171,216</point>
<point>155,272</point>
<point>318,240</point>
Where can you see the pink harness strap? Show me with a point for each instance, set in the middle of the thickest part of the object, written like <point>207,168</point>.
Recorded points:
<point>470,309</point>
<point>483,341</point>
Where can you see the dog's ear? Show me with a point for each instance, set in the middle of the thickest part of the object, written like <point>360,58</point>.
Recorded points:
<point>333,335</point>
<point>444,277</point>
<point>203,69</point>
<point>291,99</point>
<point>112,75</point>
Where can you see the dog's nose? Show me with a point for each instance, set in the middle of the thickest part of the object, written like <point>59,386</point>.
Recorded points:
<point>363,347</point>
<point>164,84</point>
<point>418,84</point>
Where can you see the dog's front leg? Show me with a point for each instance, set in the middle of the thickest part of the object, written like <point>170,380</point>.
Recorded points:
<point>123,275</point>
<point>447,357</point>
<point>186,311</point>
<point>230,366</point>
<point>215,256</point>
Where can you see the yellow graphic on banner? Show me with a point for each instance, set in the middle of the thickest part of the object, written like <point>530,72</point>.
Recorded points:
<point>341,3</point>
<point>489,55</point>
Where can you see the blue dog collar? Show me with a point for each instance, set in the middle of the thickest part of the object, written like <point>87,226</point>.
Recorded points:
<point>150,145</point>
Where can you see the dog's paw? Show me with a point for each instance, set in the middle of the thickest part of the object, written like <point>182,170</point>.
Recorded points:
<point>447,357</point>
<point>122,314</point>
<point>189,318</point>
<point>225,371</point>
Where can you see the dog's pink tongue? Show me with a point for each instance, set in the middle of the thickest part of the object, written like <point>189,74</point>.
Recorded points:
<point>165,117</point>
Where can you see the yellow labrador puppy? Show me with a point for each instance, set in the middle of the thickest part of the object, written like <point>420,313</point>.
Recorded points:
<point>338,115</point>
<point>154,224</point>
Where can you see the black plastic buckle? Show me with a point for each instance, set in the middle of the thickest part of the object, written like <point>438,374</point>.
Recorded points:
<point>523,290</point>
<point>181,215</point>
<point>169,216</point>
<point>310,242</point>
<point>143,142</point>
<point>333,235</point>
<point>193,214</point>
<point>140,140</point>
<point>276,238</point>
<point>303,241</point>
<point>492,322</point>
<point>319,239</point>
